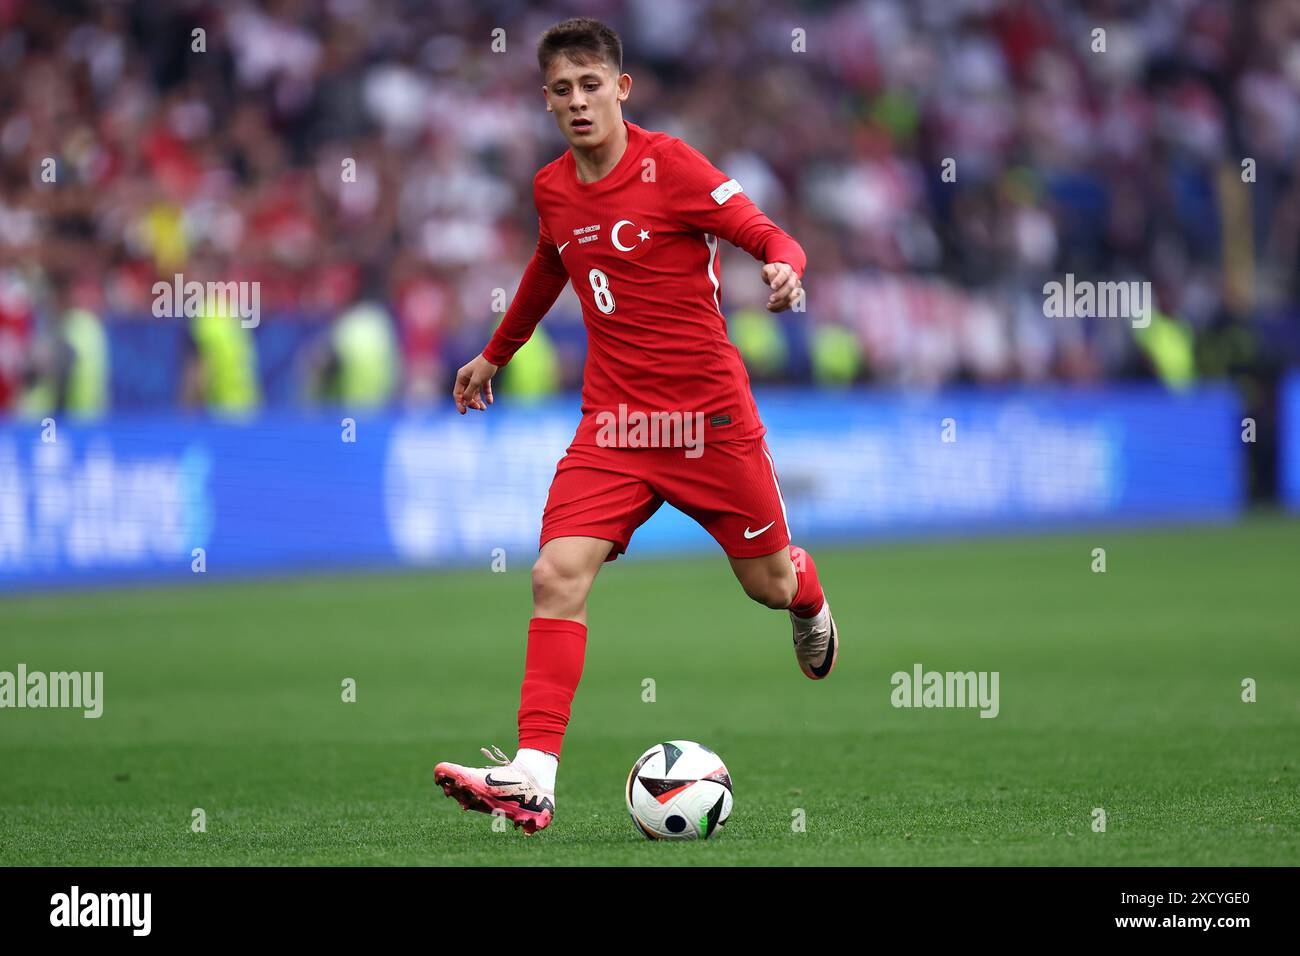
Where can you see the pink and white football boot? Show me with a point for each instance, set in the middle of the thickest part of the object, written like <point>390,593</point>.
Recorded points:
<point>507,787</point>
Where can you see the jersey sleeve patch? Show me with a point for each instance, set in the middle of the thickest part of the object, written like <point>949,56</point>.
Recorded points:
<point>725,191</point>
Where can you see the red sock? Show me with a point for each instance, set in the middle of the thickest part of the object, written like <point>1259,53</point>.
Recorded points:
<point>552,669</point>
<point>808,596</point>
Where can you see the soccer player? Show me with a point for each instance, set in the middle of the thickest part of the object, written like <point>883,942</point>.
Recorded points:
<point>632,218</point>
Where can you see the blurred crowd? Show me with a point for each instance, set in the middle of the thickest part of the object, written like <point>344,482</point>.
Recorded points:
<point>369,163</point>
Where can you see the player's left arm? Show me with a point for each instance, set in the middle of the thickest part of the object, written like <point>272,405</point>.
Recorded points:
<point>708,200</point>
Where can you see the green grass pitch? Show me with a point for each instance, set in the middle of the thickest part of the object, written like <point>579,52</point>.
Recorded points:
<point>1119,690</point>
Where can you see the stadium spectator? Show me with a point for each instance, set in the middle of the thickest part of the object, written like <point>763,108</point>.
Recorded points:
<point>940,163</point>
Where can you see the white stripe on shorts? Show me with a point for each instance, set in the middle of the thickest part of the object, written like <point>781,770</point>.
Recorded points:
<point>771,464</point>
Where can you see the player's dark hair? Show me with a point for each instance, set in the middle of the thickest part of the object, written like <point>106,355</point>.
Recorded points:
<point>581,39</point>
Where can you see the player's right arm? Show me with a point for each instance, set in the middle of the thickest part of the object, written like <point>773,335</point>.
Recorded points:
<point>541,285</point>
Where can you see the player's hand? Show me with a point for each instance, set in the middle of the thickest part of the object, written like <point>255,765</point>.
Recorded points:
<point>784,283</point>
<point>474,384</point>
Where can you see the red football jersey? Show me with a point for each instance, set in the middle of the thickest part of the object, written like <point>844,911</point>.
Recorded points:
<point>641,248</point>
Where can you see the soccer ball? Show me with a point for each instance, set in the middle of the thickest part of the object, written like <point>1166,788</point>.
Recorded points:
<point>679,790</point>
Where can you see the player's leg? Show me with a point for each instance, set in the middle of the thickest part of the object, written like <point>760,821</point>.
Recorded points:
<point>732,490</point>
<point>557,646</point>
<point>788,580</point>
<point>563,575</point>
<point>524,788</point>
<point>597,500</point>
<point>770,580</point>
<point>594,506</point>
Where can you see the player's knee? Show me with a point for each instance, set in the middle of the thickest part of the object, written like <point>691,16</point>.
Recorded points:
<point>548,578</point>
<point>770,590</point>
<point>556,585</point>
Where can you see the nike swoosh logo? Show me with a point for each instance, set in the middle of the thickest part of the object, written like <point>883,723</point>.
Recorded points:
<point>755,534</point>
<point>561,248</point>
<point>500,783</point>
<point>825,667</point>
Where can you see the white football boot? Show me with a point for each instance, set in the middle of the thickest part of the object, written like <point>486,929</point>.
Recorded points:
<point>816,642</point>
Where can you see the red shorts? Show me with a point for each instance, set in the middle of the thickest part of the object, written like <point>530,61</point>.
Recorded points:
<point>731,490</point>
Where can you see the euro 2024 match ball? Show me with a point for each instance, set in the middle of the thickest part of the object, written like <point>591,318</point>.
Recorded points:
<point>679,790</point>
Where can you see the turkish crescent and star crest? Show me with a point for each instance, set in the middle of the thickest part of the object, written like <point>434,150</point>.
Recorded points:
<point>634,236</point>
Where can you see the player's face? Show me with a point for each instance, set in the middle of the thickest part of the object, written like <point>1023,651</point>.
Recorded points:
<point>586,99</point>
